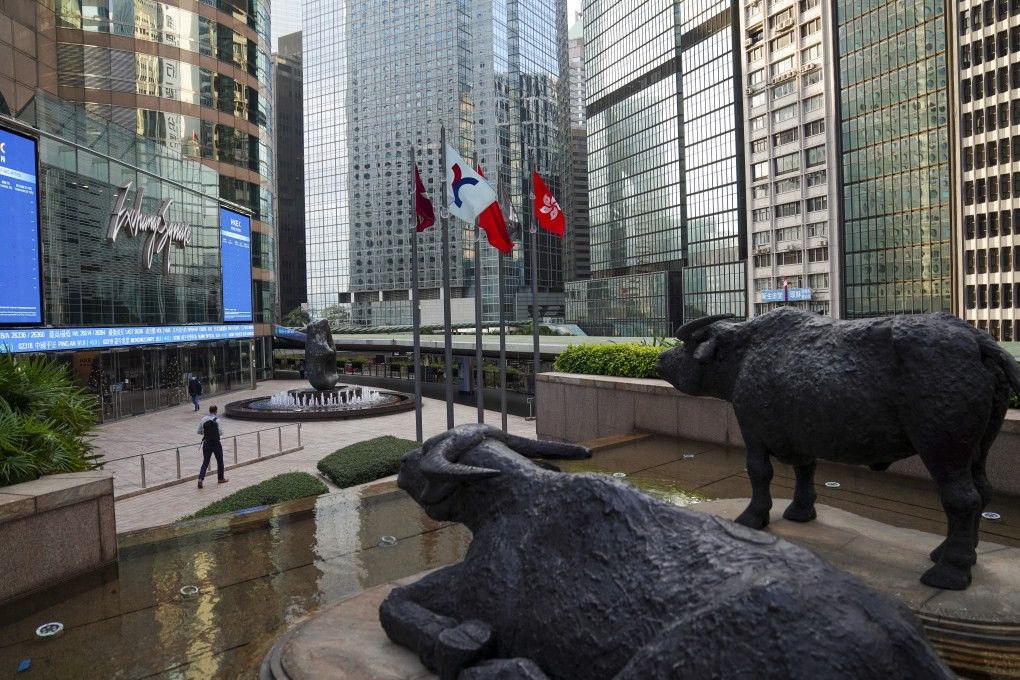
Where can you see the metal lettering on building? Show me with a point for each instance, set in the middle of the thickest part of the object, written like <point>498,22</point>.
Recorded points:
<point>162,232</point>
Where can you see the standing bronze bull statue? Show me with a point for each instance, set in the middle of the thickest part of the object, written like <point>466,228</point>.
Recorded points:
<point>867,392</point>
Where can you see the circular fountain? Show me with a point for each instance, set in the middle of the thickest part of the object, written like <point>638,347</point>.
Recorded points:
<point>339,402</point>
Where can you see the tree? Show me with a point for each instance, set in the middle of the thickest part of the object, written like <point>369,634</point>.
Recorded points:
<point>44,420</point>
<point>297,318</point>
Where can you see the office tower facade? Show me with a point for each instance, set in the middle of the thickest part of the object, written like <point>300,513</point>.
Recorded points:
<point>577,243</point>
<point>290,164</point>
<point>665,168</point>
<point>895,157</point>
<point>792,156</point>
<point>192,77</point>
<point>381,80</point>
<point>987,40</point>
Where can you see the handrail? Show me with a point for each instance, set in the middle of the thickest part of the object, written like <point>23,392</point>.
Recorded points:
<point>114,462</point>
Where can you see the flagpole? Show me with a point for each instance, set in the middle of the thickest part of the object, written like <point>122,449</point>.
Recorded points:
<point>533,230</point>
<point>479,396</point>
<point>448,335</point>
<point>415,310</point>
<point>502,346</point>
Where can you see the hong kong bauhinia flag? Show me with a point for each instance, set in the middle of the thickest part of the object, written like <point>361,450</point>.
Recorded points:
<point>547,210</point>
<point>492,221</point>
<point>423,209</point>
<point>467,192</point>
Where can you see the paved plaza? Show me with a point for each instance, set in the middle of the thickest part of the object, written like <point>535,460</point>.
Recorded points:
<point>162,434</point>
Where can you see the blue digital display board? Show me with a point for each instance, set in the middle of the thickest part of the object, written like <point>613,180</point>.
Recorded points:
<point>235,265</point>
<point>20,292</point>
<point>793,295</point>
<point>54,339</point>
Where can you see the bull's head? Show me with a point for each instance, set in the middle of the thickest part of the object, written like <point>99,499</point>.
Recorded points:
<point>452,461</point>
<point>688,367</point>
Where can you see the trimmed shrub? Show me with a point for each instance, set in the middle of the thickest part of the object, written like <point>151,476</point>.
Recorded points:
<point>623,360</point>
<point>45,420</point>
<point>286,487</point>
<point>365,461</point>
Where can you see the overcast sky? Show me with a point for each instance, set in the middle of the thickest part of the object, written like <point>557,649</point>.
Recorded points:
<point>573,6</point>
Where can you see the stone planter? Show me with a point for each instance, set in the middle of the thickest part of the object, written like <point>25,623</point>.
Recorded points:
<point>575,408</point>
<point>54,528</point>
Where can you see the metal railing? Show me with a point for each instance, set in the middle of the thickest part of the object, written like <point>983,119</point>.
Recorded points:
<point>126,481</point>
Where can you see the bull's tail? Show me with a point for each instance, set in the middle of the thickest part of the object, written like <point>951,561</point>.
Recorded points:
<point>992,350</point>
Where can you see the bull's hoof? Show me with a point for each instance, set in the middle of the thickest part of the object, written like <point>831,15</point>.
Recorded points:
<point>947,577</point>
<point>752,519</point>
<point>798,513</point>
<point>462,646</point>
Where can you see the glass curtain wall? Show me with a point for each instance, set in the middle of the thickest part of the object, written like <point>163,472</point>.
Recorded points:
<point>714,278</point>
<point>896,173</point>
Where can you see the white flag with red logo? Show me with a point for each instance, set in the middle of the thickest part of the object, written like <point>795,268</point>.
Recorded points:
<point>467,192</point>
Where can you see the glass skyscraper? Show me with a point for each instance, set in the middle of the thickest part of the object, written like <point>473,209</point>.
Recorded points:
<point>383,78</point>
<point>896,182</point>
<point>665,167</point>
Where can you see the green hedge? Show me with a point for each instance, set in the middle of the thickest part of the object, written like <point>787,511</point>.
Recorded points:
<point>286,487</point>
<point>365,461</point>
<point>623,360</point>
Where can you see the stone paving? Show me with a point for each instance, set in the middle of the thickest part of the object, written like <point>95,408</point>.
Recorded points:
<point>160,434</point>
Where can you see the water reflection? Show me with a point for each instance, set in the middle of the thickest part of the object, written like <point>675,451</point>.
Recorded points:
<point>257,574</point>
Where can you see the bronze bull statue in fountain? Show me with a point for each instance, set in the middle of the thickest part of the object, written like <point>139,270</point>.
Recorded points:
<point>867,392</point>
<point>584,576</point>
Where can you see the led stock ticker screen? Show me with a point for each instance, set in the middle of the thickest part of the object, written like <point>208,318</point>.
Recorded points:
<point>20,292</point>
<point>235,265</point>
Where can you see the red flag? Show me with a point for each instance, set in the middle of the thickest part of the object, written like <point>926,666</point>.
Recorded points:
<point>547,210</point>
<point>422,205</point>
<point>491,220</point>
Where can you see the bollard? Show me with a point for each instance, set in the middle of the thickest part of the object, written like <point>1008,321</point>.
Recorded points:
<point>279,432</point>
<point>178,462</point>
<point>235,450</point>
<point>142,458</point>
<point>299,435</point>
<point>258,444</point>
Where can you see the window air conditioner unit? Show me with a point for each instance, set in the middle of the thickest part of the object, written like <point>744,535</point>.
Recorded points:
<point>783,25</point>
<point>808,67</point>
<point>824,242</point>
<point>748,42</point>
<point>748,90</point>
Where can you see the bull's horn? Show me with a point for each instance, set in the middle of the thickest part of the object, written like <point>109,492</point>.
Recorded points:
<point>438,469</point>
<point>531,448</point>
<point>685,331</point>
<point>439,463</point>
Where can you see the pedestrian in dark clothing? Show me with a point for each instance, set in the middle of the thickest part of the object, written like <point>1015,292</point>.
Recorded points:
<point>301,368</point>
<point>194,389</point>
<point>210,429</point>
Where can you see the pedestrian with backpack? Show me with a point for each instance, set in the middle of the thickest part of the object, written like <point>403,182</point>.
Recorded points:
<point>194,389</point>
<point>211,432</point>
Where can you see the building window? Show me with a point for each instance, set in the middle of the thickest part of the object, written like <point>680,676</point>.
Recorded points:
<point>815,155</point>
<point>784,89</point>
<point>818,255</point>
<point>787,185</point>
<point>788,233</point>
<point>813,103</point>
<point>787,163</point>
<point>812,78</point>
<point>811,27</point>
<point>817,228</point>
<point>762,190</point>
<point>785,113</point>
<point>818,203</point>
<point>760,145</point>
<point>761,215</point>
<point>759,122</point>
<point>815,127</point>
<point>788,210</point>
<point>785,40</point>
<point>760,171</point>
<point>810,53</point>
<point>765,260</point>
<point>790,257</point>
<point>815,179</point>
<point>756,77</point>
<point>755,53</point>
<point>818,280</point>
<point>785,137</point>
<point>761,238</point>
